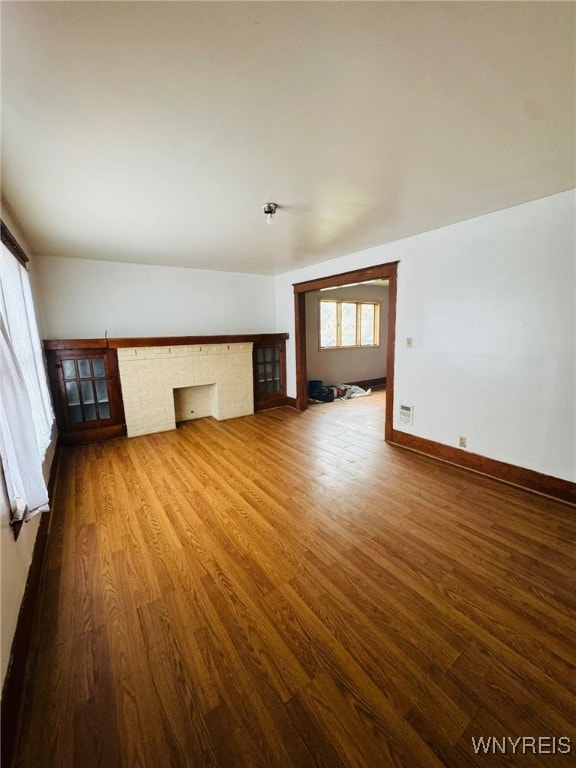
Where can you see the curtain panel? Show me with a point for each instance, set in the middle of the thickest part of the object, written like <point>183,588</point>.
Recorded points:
<point>26,415</point>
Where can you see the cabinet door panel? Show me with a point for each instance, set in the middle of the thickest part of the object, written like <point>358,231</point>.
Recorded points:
<point>86,393</point>
<point>269,368</point>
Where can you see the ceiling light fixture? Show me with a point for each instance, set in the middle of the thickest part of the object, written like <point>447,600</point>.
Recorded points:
<point>270,210</point>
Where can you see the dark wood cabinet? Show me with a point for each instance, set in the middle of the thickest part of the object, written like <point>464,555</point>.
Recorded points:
<point>86,393</point>
<point>269,367</point>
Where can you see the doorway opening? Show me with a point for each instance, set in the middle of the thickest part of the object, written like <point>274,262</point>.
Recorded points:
<point>386,272</point>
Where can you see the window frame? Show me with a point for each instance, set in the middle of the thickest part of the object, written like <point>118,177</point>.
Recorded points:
<point>359,304</point>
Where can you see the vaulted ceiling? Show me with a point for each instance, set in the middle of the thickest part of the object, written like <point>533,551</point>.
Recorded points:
<point>154,132</point>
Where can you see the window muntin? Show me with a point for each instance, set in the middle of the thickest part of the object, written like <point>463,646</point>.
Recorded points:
<point>82,379</point>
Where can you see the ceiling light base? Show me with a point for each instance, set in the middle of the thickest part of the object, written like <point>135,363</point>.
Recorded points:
<point>270,209</point>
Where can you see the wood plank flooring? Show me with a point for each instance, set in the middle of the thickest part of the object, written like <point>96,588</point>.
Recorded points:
<point>286,589</point>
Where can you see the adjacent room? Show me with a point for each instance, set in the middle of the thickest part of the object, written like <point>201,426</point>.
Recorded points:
<point>220,221</point>
<point>346,340</point>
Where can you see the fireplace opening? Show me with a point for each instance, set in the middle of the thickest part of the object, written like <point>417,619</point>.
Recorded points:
<point>194,402</point>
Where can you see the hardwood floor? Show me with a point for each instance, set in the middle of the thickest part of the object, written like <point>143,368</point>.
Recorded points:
<point>286,589</point>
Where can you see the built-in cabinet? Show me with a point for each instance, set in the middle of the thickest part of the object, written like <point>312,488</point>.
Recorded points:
<point>269,369</point>
<point>86,393</point>
<point>86,389</point>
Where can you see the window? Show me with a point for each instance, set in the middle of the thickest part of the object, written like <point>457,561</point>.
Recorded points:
<point>346,323</point>
<point>25,408</point>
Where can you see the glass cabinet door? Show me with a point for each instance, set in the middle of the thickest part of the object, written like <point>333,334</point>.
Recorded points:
<point>267,370</point>
<point>86,389</point>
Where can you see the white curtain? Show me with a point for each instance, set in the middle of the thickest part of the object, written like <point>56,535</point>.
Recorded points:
<point>25,410</point>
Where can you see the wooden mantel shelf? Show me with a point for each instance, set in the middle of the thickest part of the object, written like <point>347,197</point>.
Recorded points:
<point>161,341</point>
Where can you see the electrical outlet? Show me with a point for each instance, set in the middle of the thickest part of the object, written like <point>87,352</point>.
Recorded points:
<point>409,342</point>
<point>461,442</point>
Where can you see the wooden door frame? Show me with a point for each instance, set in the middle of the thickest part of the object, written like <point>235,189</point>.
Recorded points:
<point>383,272</point>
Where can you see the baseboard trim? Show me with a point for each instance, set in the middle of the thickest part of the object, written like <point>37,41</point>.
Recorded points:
<point>13,689</point>
<point>545,485</point>
<point>369,383</point>
<point>291,402</point>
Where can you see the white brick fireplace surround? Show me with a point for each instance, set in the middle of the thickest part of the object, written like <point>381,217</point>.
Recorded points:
<point>149,376</point>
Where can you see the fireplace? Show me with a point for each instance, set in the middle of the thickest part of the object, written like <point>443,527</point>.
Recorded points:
<point>160,384</point>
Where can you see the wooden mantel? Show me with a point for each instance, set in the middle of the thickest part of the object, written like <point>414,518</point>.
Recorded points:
<point>160,341</point>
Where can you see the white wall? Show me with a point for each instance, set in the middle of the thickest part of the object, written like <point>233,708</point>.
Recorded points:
<point>339,366</point>
<point>490,304</point>
<point>16,556</point>
<point>80,298</point>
